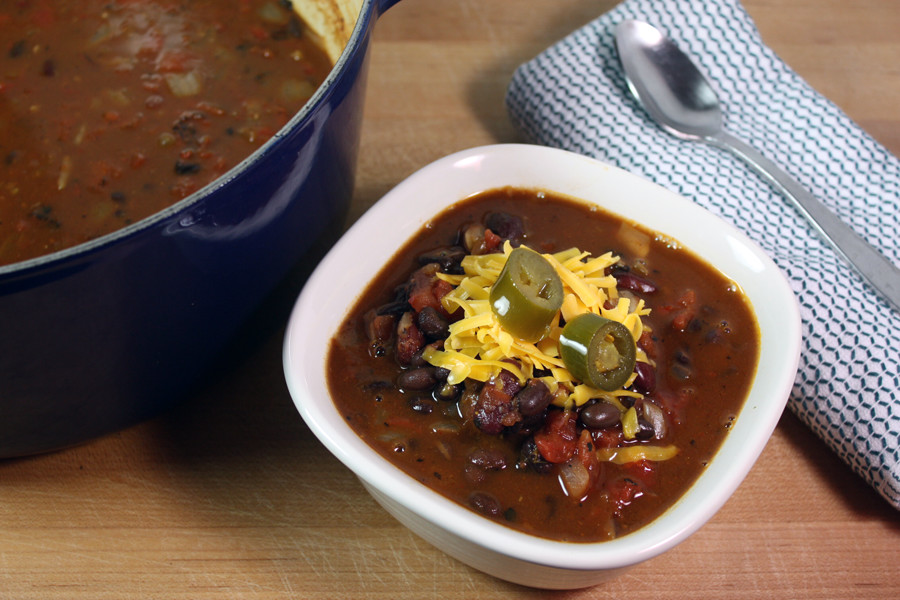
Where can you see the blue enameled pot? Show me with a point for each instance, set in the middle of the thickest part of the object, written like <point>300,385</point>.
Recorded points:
<point>111,332</point>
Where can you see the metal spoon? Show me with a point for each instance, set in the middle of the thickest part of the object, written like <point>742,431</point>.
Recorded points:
<point>680,99</point>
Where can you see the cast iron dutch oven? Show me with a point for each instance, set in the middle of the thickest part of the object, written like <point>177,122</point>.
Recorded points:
<point>111,332</point>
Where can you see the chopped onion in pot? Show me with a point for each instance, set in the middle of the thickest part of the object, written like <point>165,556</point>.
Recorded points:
<point>183,84</point>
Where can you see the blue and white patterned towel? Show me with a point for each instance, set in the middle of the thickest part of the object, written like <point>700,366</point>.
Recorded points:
<point>574,96</point>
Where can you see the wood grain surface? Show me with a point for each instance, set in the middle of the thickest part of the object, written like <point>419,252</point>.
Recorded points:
<point>231,496</point>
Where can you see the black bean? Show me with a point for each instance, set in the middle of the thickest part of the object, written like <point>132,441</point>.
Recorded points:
<point>447,257</point>
<point>421,405</point>
<point>530,456</point>
<point>419,379</point>
<point>645,380</point>
<point>377,385</point>
<point>599,415</point>
<point>507,226</point>
<point>432,323</point>
<point>396,308</point>
<point>680,371</point>
<point>418,360</point>
<point>447,392</point>
<point>186,168</point>
<point>488,459</point>
<point>534,398</point>
<point>474,475</point>
<point>18,49</point>
<point>645,429</point>
<point>295,26</point>
<point>485,503</point>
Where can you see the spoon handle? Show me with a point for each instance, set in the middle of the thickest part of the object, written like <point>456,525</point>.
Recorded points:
<point>868,262</point>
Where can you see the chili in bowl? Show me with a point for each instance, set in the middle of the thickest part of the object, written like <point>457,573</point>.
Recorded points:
<point>551,369</point>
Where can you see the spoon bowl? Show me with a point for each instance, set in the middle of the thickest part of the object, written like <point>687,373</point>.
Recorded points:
<point>669,86</point>
<point>676,95</point>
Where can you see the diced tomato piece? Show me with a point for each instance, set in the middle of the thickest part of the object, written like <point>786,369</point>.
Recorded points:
<point>492,241</point>
<point>442,288</point>
<point>259,33</point>
<point>648,344</point>
<point>641,471</point>
<point>425,288</point>
<point>556,440</point>
<point>607,438</point>
<point>688,310</point>
<point>622,492</point>
<point>176,61</point>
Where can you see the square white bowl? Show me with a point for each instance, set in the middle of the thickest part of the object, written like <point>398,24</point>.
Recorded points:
<point>359,255</point>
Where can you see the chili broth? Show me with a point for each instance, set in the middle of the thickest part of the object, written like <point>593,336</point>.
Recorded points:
<point>701,337</point>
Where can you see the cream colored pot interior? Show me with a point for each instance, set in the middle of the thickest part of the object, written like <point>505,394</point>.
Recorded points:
<point>331,20</point>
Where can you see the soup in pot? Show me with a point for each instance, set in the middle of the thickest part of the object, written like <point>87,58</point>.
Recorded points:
<point>111,110</point>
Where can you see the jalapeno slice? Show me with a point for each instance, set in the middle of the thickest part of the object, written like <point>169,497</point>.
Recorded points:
<point>597,351</point>
<point>527,295</point>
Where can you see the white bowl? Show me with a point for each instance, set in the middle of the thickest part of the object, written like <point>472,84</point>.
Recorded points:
<point>461,533</point>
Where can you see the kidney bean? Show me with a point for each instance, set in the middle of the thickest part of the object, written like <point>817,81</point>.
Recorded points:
<point>409,339</point>
<point>645,381</point>
<point>419,379</point>
<point>380,331</point>
<point>432,323</point>
<point>599,415</point>
<point>485,503</point>
<point>634,283</point>
<point>534,398</point>
<point>494,410</point>
<point>509,383</point>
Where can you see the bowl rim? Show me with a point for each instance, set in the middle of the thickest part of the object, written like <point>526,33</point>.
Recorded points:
<point>747,263</point>
<point>304,114</point>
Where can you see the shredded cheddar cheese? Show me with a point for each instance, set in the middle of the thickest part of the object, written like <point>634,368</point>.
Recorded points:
<point>478,347</point>
<point>630,454</point>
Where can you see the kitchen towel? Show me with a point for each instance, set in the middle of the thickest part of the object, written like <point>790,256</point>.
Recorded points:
<point>574,96</point>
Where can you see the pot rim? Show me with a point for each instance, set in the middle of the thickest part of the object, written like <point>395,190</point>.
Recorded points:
<point>366,14</point>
